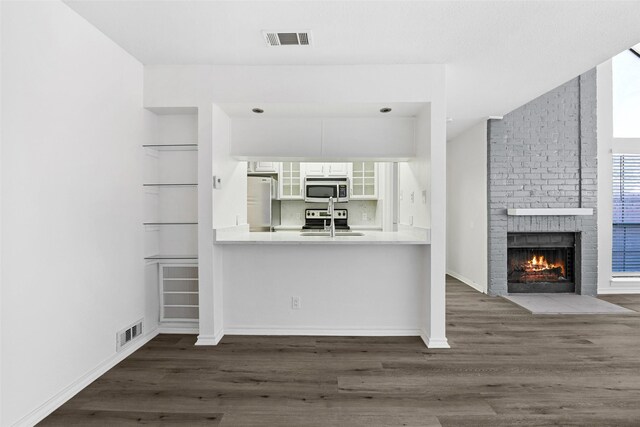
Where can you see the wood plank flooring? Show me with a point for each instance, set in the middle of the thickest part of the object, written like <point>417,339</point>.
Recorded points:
<point>506,367</point>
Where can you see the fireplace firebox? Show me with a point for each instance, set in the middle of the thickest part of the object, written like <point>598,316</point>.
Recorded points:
<point>541,262</point>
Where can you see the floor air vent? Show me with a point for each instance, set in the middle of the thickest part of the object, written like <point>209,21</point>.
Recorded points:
<point>287,38</point>
<point>125,336</point>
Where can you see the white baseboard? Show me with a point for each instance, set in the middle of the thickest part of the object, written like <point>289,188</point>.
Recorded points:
<point>322,332</point>
<point>434,342</point>
<point>74,388</point>
<point>177,330</point>
<point>618,291</point>
<point>210,339</point>
<point>478,287</point>
<point>621,285</point>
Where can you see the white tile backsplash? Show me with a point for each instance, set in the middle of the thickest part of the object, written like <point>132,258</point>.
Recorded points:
<point>292,212</point>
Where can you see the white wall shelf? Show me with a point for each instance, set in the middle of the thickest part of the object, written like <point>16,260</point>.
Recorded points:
<point>179,300</point>
<point>550,212</point>
<point>171,185</point>
<point>171,182</point>
<point>172,147</point>
<point>170,256</point>
<point>170,223</point>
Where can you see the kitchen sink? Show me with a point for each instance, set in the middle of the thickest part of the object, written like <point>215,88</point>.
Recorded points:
<point>327,234</point>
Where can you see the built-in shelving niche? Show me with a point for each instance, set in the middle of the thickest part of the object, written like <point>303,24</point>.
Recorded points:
<point>171,214</point>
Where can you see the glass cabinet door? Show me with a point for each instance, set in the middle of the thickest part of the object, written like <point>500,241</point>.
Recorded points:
<point>364,180</point>
<point>290,181</point>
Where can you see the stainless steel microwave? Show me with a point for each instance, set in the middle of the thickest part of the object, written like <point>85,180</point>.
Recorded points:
<point>319,190</point>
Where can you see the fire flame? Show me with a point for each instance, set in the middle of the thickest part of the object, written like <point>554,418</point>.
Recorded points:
<point>539,263</point>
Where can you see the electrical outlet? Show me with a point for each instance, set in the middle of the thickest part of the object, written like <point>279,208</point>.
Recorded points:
<point>401,196</point>
<point>296,304</point>
<point>424,197</point>
<point>410,219</point>
<point>413,196</point>
<point>237,219</point>
<point>364,216</point>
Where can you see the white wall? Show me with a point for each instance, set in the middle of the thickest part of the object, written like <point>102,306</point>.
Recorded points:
<point>229,202</point>
<point>72,239</point>
<point>467,207</point>
<point>605,175</point>
<point>431,140</point>
<point>1,145</point>
<point>181,85</point>
<point>362,293</point>
<point>414,179</point>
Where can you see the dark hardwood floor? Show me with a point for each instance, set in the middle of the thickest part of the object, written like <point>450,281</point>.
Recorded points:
<point>505,368</point>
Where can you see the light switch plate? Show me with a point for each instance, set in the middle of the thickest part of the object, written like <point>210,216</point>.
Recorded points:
<point>217,182</point>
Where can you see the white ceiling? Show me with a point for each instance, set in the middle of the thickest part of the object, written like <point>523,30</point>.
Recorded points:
<point>398,109</point>
<point>500,54</point>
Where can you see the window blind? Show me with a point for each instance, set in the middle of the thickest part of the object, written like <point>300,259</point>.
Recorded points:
<point>626,213</point>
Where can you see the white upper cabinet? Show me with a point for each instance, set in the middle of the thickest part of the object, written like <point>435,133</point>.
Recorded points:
<point>313,169</point>
<point>364,181</point>
<point>263,167</point>
<point>366,137</point>
<point>389,138</point>
<point>290,181</point>
<point>300,137</point>
<point>337,169</point>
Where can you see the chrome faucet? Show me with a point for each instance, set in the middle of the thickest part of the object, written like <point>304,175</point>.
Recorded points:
<point>332,224</point>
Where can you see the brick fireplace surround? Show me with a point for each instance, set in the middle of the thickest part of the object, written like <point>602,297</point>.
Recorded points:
<point>544,155</point>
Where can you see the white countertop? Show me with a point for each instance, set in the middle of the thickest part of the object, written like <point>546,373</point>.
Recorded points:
<point>240,235</point>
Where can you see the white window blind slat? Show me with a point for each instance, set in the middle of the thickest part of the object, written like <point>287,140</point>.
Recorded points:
<point>626,213</point>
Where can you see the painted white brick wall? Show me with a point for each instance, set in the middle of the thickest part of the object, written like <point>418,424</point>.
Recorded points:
<point>535,161</point>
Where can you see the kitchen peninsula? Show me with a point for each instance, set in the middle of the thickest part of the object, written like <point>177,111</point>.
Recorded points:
<point>387,281</point>
<point>408,236</point>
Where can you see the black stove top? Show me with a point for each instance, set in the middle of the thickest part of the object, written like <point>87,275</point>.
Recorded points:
<point>315,219</point>
<point>321,226</point>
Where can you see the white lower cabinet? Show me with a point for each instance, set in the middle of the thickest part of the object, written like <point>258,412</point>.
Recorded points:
<point>179,300</point>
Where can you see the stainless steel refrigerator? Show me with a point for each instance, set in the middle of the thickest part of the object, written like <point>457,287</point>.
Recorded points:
<point>263,206</point>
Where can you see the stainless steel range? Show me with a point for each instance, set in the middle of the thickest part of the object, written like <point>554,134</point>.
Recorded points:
<point>315,219</point>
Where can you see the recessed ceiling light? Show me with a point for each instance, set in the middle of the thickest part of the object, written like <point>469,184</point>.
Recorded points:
<point>257,110</point>
<point>385,110</point>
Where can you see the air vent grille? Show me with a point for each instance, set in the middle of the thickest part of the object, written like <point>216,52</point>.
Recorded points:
<point>272,39</point>
<point>125,336</point>
<point>287,38</point>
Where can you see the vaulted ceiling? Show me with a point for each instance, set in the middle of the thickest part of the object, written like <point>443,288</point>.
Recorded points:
<point>499,54</point>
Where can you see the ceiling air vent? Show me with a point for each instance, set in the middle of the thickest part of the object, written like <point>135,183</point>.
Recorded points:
<point>287,38</point>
